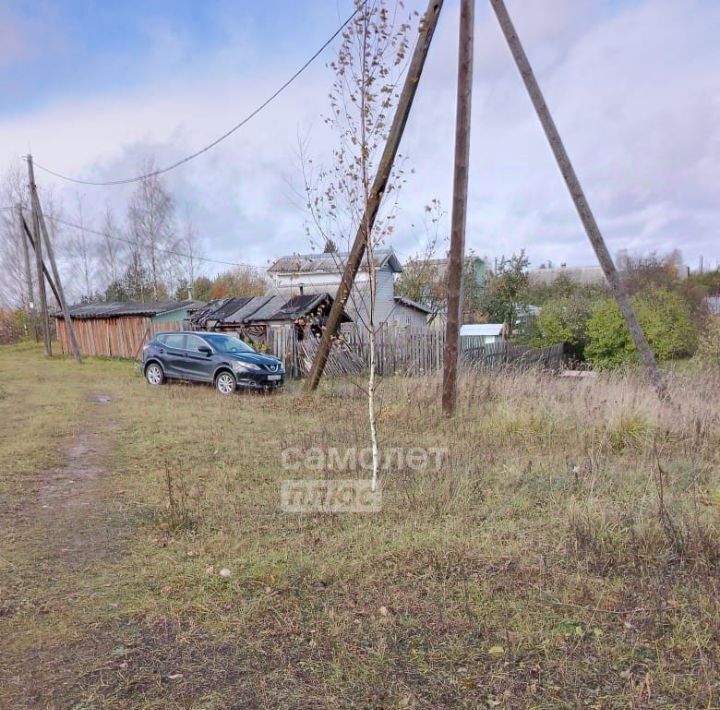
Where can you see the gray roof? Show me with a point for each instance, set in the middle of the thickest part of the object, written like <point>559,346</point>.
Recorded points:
<point>268,307</point>
<point>475,329</point>
<point>413,304</point>
<point>246,310</point>
<point>331,263</point>
<point>260,309</point>
<point>86,311</point>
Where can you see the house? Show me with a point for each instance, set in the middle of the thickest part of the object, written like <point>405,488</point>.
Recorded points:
<point>121,329</point>
<point>304,274</point>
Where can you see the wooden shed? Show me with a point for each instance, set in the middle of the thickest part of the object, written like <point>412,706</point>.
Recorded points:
<point>121,329</point>
<point>257,317</point>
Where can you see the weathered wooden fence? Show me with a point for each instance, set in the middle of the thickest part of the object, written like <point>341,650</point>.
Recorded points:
<point>403,352</point>
<point>113,337</point>
<point>398,351</point>
<point>502,353</point>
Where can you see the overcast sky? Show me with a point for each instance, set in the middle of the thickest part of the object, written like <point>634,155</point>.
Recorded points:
<point>90,87</point>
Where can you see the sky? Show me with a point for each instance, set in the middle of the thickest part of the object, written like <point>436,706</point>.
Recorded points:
<point>91,88</point>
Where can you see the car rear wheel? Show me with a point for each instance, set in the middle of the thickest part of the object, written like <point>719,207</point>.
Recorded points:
<point>225,383</point>
<point>154,374</point>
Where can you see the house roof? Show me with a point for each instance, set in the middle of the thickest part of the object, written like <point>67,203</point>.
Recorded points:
<point>86,311</point>
<point>487,329</point>
<point>331,263</point>
<point>268,307</point>
<point>413,304</point>
<point>260,309</point>
<point>301,305</point>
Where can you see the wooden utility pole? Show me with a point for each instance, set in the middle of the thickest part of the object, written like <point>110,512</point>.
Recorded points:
<point>582,205</point>
<point>459,207</point>
<point>69,327</point>
<point>39,262</point>
<point>427,29</point>
<point>48,276</point>
<point>28,275</point>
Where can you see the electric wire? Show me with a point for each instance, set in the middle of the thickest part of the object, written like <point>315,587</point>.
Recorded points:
<point>224,136</point>
<point>173,252</point>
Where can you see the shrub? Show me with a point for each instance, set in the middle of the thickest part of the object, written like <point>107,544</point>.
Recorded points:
<point>13,325</point>
<point>564,320</point>
<point>709,346</point>
<point>664,317</point>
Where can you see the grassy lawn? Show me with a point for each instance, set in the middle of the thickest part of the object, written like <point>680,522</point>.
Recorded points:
<point>565,554</point>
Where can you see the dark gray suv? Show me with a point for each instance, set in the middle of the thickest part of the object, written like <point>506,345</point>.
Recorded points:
<point>222,360</point>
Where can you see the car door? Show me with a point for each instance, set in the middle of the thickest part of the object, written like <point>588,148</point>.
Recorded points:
<point>197,365</point>
<point>172,353</point>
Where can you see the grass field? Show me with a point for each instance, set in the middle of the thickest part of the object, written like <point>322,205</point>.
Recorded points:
<point>566,553</point>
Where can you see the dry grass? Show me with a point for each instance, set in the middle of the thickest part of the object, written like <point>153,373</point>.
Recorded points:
<point>565,555</point>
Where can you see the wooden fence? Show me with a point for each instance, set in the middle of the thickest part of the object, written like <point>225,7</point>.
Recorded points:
<point>404,352</point>
<point>123,336</point>
<point>502,353</point>
<point>398,351</point>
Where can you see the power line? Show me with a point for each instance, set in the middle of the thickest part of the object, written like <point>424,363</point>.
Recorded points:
<point>225,135</point>
<point>145,246</point>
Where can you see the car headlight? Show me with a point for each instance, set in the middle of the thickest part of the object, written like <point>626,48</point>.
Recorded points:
<point>246,367</point>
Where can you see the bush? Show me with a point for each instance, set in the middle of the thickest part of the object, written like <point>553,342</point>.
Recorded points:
<point>664,317</point>
<point>709,346</point>
<point>564,320</point>
<point>13,325</point>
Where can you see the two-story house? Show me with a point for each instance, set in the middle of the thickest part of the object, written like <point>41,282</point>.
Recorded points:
<point>322,272</point>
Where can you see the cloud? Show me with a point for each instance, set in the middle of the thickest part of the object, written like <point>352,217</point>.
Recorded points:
<point>633,86</point>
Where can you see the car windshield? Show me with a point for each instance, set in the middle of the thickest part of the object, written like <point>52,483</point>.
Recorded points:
<point>228,344</point>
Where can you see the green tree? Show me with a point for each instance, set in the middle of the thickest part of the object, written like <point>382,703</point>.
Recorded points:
<point>506,291</point>
<point>201,288</point>
<point>135,285</point>
<point>564,320</point>
<point>565,287</point>
<point>664,317</point>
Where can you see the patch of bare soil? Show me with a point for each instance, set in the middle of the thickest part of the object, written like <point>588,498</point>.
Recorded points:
<point>65,513</point>
<point>65,523</point>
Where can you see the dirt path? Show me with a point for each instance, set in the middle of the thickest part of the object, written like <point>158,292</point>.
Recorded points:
<point>67,522</point>
<point>64,512</point>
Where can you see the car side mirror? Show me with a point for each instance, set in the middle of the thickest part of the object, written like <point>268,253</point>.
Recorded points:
<point>205,350</point>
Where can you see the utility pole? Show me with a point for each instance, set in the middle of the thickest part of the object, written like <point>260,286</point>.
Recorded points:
<point>427,29</point>
<point>48,276</point>
<point>58,284</point>
<point>459,207</point>
<point>582,205</point>
<point>39,261</point>
<point>28,275</point>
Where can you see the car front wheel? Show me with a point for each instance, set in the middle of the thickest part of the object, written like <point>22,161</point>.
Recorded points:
<point>225,383</point>
<point>154,374</point>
